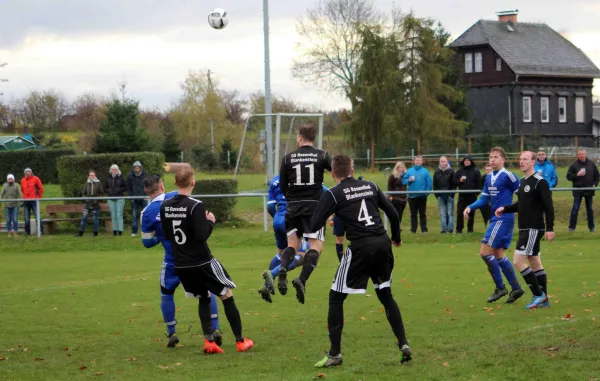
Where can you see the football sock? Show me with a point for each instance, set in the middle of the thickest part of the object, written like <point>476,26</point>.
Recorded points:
<point>509,273</point>
<point>167,306</point>
<point>339,248</point>
<point>310,262</point>
<point>293,265</point>
<point>276,261</point>
<point>542,280</point>
<point>494,269</point>
<point>287,257</point>
<point>335,321</point>
<point>214,312</point>
<point>233,316</point>
<point>392,312</point>
<point>205,321</point>
<point>531,281</point>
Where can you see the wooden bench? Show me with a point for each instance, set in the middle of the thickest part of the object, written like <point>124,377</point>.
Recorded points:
<point>52,210</point>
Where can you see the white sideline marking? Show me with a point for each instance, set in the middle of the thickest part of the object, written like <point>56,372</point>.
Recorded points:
<point>141,277</point>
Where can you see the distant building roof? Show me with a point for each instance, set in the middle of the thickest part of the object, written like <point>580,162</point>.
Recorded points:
<point>530,49</point>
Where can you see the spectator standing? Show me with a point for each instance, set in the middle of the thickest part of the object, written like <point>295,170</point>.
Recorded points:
<point>116,186</point>
<point>395,184</point>
<point>584,174</point>
<point>93,188</point>
<point>135,184</point>
<point>486,211</point>
<point>467,177</point>
<point>443,179</point>
<point>32,189</point>
<point>545,168</point>
<point>418,179</point>
<point>11,190</point>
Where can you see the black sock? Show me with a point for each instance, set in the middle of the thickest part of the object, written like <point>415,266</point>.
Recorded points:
<point>531,281</point>
<point>205,321</point>
<point>233,316</point>
<point>287,257</point>
<point>335,321</point>
<point>542,280</point>
<point>392,311</point>
<point>310,262</point>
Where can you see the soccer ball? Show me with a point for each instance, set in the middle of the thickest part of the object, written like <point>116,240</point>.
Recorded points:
<point>218,18</point>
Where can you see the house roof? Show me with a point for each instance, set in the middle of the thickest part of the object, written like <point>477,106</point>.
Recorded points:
<point>6,139</point>
<point>530,49</point>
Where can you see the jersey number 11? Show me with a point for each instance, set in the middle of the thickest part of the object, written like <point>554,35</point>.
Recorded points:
<point>311,174</point>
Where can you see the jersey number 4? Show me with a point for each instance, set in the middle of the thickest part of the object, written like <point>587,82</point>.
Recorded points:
<point>363,214</point>
<point>311,174</point>
<point>180,237</point>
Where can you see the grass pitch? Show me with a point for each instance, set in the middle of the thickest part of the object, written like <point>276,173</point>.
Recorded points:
<point>85,308</point>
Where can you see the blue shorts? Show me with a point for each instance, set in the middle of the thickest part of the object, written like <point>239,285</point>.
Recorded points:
<point>168,278</point>
<point>499,234</point>
<point>339,229</point>
<point>279,230</point>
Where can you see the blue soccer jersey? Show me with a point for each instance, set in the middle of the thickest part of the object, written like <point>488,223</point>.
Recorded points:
<point>276,198</point>
<point>500,187</point>
<point>152,233</point>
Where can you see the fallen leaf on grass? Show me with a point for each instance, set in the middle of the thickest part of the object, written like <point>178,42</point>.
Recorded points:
<point>163,367</point>
<point>132,359</point>
<point>550,354</point>
<point>363,318</point>
<point>568,317</point>
<point>83,367</point>
<point>3,358</point>
<point>130,320</point>
<point>178,309</point>
<point>68,355</point>
<point>492,314</point>
<point>25,349</point>
<point>55,309</point>
<point>368,295</point>
<point>99,374</point>
<point>38,359</point>
<point>178,364</point>
<point>66,349</point>
<point>320,375</point>
<point>11,349</point>
<point>588,310</point>
<point>488,309</point>
<point>446,364</point>
<point>553,349</point>
<point>19,345</point>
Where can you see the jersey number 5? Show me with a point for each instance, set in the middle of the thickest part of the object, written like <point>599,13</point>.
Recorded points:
<point>311,174</point>
<point>363,214</point>
<point>180,237</point>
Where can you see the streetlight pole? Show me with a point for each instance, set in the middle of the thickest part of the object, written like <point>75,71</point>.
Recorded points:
<point>268,108</point>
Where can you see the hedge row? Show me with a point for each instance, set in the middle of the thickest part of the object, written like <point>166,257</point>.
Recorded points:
<point>43,163</point>
<point>222,208</point>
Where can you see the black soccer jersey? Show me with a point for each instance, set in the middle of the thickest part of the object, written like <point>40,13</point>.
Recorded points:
<point>301,174</point>
<point>357,204</point>
<point>535,201</point>
<point>184,224</point>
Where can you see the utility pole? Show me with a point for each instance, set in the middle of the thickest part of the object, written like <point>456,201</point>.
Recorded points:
<point>210,86</point>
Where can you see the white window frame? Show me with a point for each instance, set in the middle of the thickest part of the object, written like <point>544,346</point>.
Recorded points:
<point>528,108</point>
<point>468,62</point>
<point>563,118</point>
<point>579,114</point>
<point>545,101</point>
<point>478,59</point>
<point>498,64</point>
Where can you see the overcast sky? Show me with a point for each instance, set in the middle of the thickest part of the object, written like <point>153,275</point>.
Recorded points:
<point>78,46</point>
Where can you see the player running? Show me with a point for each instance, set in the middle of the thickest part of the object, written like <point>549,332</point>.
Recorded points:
<point>187,226</point>
<point>534,203</point>
<point>301,181</point>
<point>152,235</point>
<point>369,254</point>
<point>277,206</point>
<point>339,231</point>
<point>498,188</point>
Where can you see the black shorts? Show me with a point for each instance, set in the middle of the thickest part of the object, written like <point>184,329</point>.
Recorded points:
<point>339,229</point>
<point>197,281</point>
<point>373,258</point>
<point>297,220</point>
<point>529,242</point>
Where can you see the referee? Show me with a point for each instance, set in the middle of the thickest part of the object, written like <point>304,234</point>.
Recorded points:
<point>533,205</point>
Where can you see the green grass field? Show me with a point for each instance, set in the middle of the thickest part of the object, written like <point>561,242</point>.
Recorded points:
<point>83,308</point>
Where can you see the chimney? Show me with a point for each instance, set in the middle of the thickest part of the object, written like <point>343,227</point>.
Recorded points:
<point>508,16</point>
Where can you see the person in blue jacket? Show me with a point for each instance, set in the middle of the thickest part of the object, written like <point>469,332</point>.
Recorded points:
<point>418,178</point>
<point>546,169</point>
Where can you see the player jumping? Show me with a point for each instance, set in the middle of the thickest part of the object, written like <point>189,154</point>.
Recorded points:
<point>534,202</point>
<point>187,226</point>
<point>301,181</point>
<point>499,188</point>
<point>152,235</point>
<point>369,254</point>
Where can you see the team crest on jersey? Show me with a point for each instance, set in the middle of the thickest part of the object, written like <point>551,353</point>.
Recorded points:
<point>527,188</point>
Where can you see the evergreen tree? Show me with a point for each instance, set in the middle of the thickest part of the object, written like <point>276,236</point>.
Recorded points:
<point>120,130</point>
<point>227,146</point>
<point>170,145</point>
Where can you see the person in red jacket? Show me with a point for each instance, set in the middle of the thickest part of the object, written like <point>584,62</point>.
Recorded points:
<point>32,189</point>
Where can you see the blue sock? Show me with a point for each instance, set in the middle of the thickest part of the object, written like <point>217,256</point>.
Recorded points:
<point>276,261</point>
<point>509,273</point>
<point>167,306</point>
<point>339,248</point>
<point>214,312</point>
<point>275,270</point>
<point>494,270</point>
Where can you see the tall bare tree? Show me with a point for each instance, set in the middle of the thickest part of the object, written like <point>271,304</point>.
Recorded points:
<point>330,47</point>
<point>42,110</point>
<point>235,106</point>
